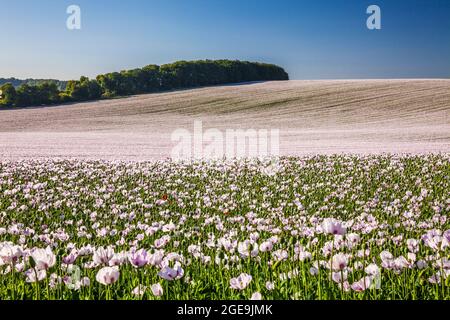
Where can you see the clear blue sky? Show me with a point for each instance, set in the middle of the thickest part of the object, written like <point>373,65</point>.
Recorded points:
<point>312,39</point>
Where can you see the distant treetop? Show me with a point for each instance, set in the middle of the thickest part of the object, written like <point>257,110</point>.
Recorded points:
<point>32,82</point>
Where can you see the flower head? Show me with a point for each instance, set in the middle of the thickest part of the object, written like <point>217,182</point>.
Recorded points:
<point>333,226</point>
<point>170,274</point>
<point>339,262</point>
<point>241,282</point>
<point>157,290</point>
<point>139,258</point>
<point>362,284</point>
<point>102,256</point>
<point>9,253</point>
<point>108,275</point>
<point>34,275</point>
<point>270,285</point>
<point>43,258</point>
<point>256,296</point>
<point>372,269</point>
<point>139,290</point>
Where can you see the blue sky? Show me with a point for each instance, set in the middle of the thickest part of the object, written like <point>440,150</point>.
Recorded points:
<point>314,39</point>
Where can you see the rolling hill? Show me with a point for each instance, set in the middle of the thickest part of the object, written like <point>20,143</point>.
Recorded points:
<point>326,116</point>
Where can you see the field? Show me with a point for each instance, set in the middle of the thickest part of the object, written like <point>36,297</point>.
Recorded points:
<point>356,207</point>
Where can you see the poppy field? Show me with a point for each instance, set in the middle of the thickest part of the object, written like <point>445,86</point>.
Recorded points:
<point>310,227</point>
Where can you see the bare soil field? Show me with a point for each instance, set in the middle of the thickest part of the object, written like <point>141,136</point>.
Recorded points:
<point>314,117</point>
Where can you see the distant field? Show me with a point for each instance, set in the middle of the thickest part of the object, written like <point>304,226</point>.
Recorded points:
<point>357,116</point>
<point>352,226</point>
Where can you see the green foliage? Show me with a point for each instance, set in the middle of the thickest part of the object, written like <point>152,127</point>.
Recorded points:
<point>111,83</point>
<point>83,89</point>
<point>64,97</point>
<point>32,82</point>
<point>42,94</point>
<point>8,94</point>
<point>48,93</point>
<point>152,78</point>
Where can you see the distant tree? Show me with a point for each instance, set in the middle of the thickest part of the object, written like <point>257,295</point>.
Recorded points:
<point>152,78</point>
<point>47,93</point>
<point>27,96</point>
<point>169,78</point>
<point>95,90</point>
<point>111,83</point>
<point>64,97</point>
<point>83,89</point>
<point>32,82</point>
<point>42,94</point>
<point>77,90</point>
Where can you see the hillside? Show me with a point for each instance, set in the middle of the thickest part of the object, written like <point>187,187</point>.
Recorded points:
<point>359,116</point>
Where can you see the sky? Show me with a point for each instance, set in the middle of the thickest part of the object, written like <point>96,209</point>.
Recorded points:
<point>311,39</point>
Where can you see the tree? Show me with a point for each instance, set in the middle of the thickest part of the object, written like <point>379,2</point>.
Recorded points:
<point>152,78</point>
<point>47,93</point>
<point>8,94</point>
<point>95,90</point>
<point>83,89</point>
<point>77,90</point>
<point>111,84</point>
<point>26,96</point>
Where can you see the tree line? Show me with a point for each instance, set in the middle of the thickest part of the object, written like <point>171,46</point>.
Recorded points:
<point>152,78</point>
<point>32,82</point>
